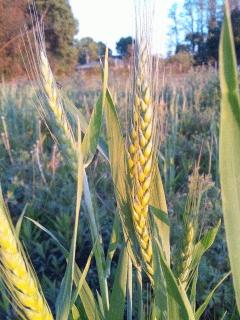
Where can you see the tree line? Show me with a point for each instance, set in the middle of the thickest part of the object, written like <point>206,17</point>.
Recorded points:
<point>196,28</point>
<point>195,31</point>
<point>64,50</point>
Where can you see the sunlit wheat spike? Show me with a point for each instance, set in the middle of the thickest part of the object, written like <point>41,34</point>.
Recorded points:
<point>52,96</point>
<point>17,273</point>
<point>141,154</point>
<point>50,102</point>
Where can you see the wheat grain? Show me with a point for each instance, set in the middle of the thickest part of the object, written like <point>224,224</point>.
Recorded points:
<point>140,160</point>
<point>17,273</point>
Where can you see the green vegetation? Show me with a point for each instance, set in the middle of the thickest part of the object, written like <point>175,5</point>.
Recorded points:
<point>120,216</point>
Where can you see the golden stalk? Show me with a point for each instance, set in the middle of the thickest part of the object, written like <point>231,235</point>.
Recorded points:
<point>17,273</point>
<point>140,160</point>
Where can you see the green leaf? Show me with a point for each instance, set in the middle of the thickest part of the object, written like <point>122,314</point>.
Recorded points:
<point>20,219</point>
<point>193,293</point>
<point>230,147</point>
<point>93,131</point>
<point>116,146</point>
<point>118,295</point>
<point>160,305</point>
<point>203,307</point>
<point>158,200</point>
<point>160,215</point>
<point>112,244</point>
<point>82,278</point>
<point>179,307</point>
<point>117,159</point>
<point>203,245</point>
<point>96,239</point>
<point>90,140</point>
<point>86,296</point>
<point>63,303</point>
<point>77,114</point>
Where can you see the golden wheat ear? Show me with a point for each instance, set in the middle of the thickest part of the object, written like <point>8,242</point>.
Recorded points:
<point>17,274</point>
<point>142,146</point>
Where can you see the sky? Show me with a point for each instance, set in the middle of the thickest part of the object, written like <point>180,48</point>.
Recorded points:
<point>109,20</point>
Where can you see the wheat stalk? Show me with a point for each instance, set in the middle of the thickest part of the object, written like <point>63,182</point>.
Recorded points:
<point>17,273</point>
<point>141,153</point>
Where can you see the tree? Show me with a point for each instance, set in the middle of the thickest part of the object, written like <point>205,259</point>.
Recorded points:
<point>59,36</point>
<point>175,26</point>
<point>87,50</point>
<point>125,46</point>
<point>102,48</point>
<point>12,18</point>
<point>60,29</point>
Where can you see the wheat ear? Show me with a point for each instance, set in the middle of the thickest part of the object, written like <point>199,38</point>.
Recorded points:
<point>198,184</point>
<point>54,100</point>
<point>17,273</point>
<point>140,160</point>
<point>53,97</point>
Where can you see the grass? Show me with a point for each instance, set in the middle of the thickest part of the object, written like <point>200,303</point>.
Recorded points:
<point>51,204</point>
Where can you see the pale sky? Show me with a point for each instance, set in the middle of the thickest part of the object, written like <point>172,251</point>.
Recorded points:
<point>109,20</point>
